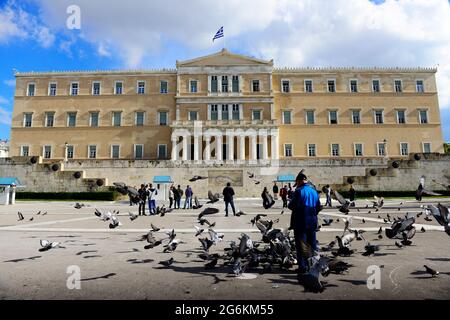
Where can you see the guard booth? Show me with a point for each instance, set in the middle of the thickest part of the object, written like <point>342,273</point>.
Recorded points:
<point>8,188</point>
<point>162,184</point>
<point>285,180</point>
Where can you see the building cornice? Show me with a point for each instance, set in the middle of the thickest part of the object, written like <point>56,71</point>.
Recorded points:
<point>89,73</point>
<point>285,70</point>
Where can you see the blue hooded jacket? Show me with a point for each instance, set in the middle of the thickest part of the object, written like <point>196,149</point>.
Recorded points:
<point>305,206</point>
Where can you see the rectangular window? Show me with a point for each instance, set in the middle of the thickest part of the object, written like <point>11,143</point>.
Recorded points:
<point>118,87</point>
<point>426,146</point>
<point>47,152</point>
<point>214,84</point>
<point>49,119</point>
<point>255,85</point>
<point>162,151</point>
<point>285,86</point>
<point>419,86</point>
<point>288,150</point>
<point>141,87</point>
<point>115,151</point>
<point>94,119</point>
<point>163,118</point>
<point>381,149</point>
<point>52,89</point>
<point>401,116</point>
<point>138,151</point>
<point>214,112</point>
<point>308,86</point>
<point>333,115</point>
<point>164,87</point>
<point>331,86</point>
<point>287,117</point>
<point>356,116</point>
<point>92,152</point>
<point>193,115</point>
<point>353,85</point>
<point>74,89</point>
<point>404,149</point>
<point>24,151</point>
<point>235,84</point>
<point>311,150</point>
<point>335,150</point>
<point>117,118</point>
<point>423,115</point>
<point>398,86</point>
<point>96,87</point>
<point>31,90</point>
<point>70,152</point>
<point>376,85</point>
<point>310,119</point>
<point>27,120</point>
<point>224,83</point>
<point>358,149</point>
<point>71,119</point>
<point>139,121</point>
<point>236,112</point>
<point>378,116</point>
<point>256,115</point>
<point>225,112</point>
<point>193,86</point>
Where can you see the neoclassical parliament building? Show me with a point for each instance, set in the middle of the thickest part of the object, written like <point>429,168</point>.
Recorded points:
<point>227,108</point>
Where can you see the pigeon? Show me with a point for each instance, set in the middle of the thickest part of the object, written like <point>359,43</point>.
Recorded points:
<point>326,221</point>
<point>421,191</point>
<point>195,178</point>
<point>363,221</point>
<point>240,213</point>
<point>44,213</point>
<point>405,240</point>
<point>377,202</point>
<point>78,205</point>
<point>442,216</point>
<point>380,236</point>
<point>31,219</point>
<point>21,217</point>
<point>206,243</point>
<point>198,231</point>
<point>250,175</point>
<point>172,246</point>
<point>211,264</point>
<point>370,249</point>
<point>258,216</point>
<point>151,240</point>
<point>257,181</point>
<point>215,237</point>
<point>400,226</point>
<point>47,245</point>
<point>207,211</point>
<point>423,229</point>
<point>114,222</point>
<point>38,213</point>
<point>380,231</point>
<point>167,263</point>
<point>133,216</point>
<point>154,228</point>
<point>398,244</point>
<point>345,204</point>
<point>430,271</point>
<point>213,198</point>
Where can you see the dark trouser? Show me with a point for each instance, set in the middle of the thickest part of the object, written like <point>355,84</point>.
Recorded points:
<point>231,203</point>
<point>152,206</point>
<point>171,202</point>
<point>265,203</point>
<point>177,203</point>
<point>285,204</point>
<point>328,203</point>
<point>142,207</point>
<point>308,236</point>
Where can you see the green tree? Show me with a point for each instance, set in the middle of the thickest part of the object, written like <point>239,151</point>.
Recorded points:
<point>447,148</point>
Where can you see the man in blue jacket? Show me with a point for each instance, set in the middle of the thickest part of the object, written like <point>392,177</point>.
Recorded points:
<point>305,206</point>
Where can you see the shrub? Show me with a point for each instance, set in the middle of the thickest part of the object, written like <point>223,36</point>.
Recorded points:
<point>103,195</point>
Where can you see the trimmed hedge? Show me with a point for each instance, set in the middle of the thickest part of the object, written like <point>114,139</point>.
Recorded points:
<point>370,194</point>
<point>104,195</point>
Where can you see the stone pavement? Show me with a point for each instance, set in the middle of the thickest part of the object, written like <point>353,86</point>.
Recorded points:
<point>114,265</point>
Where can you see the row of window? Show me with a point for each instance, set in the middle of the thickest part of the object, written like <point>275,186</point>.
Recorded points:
<point>358,149</point>
<point>138,151</point>
<point>97,88</point>
<point>378,116</point>
<point>116,119</point>
<point>352,86</point>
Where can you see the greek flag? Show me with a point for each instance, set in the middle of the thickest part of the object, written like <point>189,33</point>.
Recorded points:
<point>219,34</point>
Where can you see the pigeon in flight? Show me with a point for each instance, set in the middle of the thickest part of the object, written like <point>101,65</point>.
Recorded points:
<point>195,178</point>
<point>442,216</point>
<point>133,216</point>
<point>211,264</point>
<point>198,231</point>
<point>370,249</point>
<point>151,240</point>
<point>206,243</point>
<point>430,271</point>
<point>213,198</point>
<point>345,204</point>
<point>114,222</point>
<point>258,217</point>
<point>47,245</point>
<point>207,211</point>
<point>197,204</point>
<point>250,175</point>
<point>21,217</point>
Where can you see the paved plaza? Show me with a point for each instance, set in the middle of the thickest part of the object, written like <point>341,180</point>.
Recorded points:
<point>115,265</point>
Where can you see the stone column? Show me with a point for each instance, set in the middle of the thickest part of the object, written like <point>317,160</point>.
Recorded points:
<point>230,140</point>
<point>253,143</point>
<point>196,148</point>
<point>265,155</point>
<point>242,148</point>
<point>174,148</point>
<point>185,148</point>
<point>219,146</point>
<point>207,148</point>
<point>275,145</point>
<point>177,113</point>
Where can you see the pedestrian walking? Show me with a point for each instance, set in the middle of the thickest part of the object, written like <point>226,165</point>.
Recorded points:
<point>275,191</point>
<point>265,197</point>
<point>143,193</point>
<point>283,195</point>
<point>178,199</point>
<point>228,194</point>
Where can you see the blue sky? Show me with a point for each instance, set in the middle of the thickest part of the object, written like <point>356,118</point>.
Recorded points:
<point>154,34</point>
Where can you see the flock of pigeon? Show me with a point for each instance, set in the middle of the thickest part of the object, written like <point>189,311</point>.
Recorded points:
<point>276,247</point>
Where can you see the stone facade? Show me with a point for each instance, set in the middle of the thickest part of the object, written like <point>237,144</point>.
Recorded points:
<point>4,148</point>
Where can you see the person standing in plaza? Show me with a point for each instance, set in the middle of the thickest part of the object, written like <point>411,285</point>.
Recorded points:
<point>275,191</point>
<point>283,195</point>
<point>352,195</point>
<point>152,193</point>
<point>188,200</point>
<point>327,191</point>
<point>171,196</point>
<point>305,206</point>
<point>265,197</point>
<point>290,192</point>
<point>228,195</point>
<point>179,196</point>
<point>143,193</point>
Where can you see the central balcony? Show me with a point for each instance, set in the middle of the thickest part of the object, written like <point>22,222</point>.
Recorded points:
<point>225,123</point>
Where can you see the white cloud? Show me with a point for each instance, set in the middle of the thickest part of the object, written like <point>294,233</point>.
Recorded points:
<point>307,32</point>
<point>3,100</point>
<point>10,82</point>
<point>5,116</point>
<point>17,23</point>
